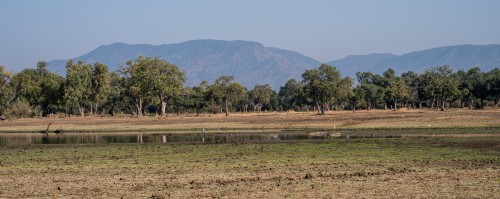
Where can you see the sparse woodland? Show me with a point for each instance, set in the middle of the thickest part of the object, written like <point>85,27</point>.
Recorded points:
<point>152,86</point>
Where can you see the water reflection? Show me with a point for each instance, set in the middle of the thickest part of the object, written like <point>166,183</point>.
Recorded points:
<point>208,138</point>
<point>102,138</point>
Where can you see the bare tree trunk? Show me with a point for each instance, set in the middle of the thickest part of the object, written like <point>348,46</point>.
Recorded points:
<point>163,105</point>
<point>442,104</point>
<point>322,108</point>
<point>82,110</point>
<point>395,105</point>
<point>178,110</point>
<point>138,106</point>
<point>95,109</point>
<point>227,110</point>
<point>91,109</point>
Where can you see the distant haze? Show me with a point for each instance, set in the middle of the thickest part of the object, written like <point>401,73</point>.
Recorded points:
<point>325,30</point>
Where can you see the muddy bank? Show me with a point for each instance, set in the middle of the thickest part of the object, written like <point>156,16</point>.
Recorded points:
<point>374,119</point>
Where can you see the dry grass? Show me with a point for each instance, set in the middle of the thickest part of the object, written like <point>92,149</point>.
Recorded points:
<point>455,118</point>
<point>366,168</point>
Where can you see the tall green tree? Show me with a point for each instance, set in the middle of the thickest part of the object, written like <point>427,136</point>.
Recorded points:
<point>372,86</point>
<point>154,77</point>
<point>358,99</point>
<point>100,79</point>
<point>396,90</point>
<point>115,100</point>
<point>345,92</point>
<point>136,89</point>
<point>5,91</point>
<point>410,79</point>
<point>261,96</point>
<point>466,97</point>
<point>492,85</point>
<point>78,86</point>
<point>474,81</point>
<point>26,85</point>
<point>323,84</point>
<point>290,95</point>
<point>225,90</point>
<point>52,92</point>
<point>168,80</point>
<point>39,87</point>
<point>198,97</point>
<point>444,84</point>
<point>426,90</point>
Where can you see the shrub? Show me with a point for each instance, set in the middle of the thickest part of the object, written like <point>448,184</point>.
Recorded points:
<point>20,108</point>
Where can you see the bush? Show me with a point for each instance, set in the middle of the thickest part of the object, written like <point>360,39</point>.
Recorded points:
<point>20,108</point>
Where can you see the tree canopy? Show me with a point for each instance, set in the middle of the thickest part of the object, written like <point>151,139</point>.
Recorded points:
<point>150,85</point>
<point>324,84</point>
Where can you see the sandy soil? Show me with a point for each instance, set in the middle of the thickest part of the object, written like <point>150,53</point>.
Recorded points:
<point>323,181</point>
<point>333,119</point>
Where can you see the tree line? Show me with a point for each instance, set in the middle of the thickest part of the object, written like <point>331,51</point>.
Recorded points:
<point>152,86</point>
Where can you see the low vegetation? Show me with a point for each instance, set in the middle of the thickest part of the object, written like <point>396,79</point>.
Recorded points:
<point>404,167</point>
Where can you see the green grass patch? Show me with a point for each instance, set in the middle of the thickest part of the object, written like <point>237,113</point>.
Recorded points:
<point>417,151</point>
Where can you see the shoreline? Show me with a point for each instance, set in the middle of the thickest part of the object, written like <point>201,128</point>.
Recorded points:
<point>291,121</point>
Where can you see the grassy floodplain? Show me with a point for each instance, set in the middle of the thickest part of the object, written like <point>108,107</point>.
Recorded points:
<point>465,166</point>
<point>404,167</point>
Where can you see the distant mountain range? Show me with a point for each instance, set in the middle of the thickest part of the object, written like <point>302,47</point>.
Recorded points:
<point>459,57</point>
<point>252,63</point>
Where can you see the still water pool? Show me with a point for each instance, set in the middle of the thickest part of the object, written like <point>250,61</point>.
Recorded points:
<point>102,138</point>
<point>14,139</point>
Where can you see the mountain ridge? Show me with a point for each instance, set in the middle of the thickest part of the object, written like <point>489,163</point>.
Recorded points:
<point>460,57</point>
<point>250,62</point>
<point>253,63</point>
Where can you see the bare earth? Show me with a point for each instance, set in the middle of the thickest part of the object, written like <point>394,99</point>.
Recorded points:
<point>367,168</point>
<point>463,166</point>
<point>455,118</point>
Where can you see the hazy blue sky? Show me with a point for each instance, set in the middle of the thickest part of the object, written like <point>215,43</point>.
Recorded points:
<point>32,30</point>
